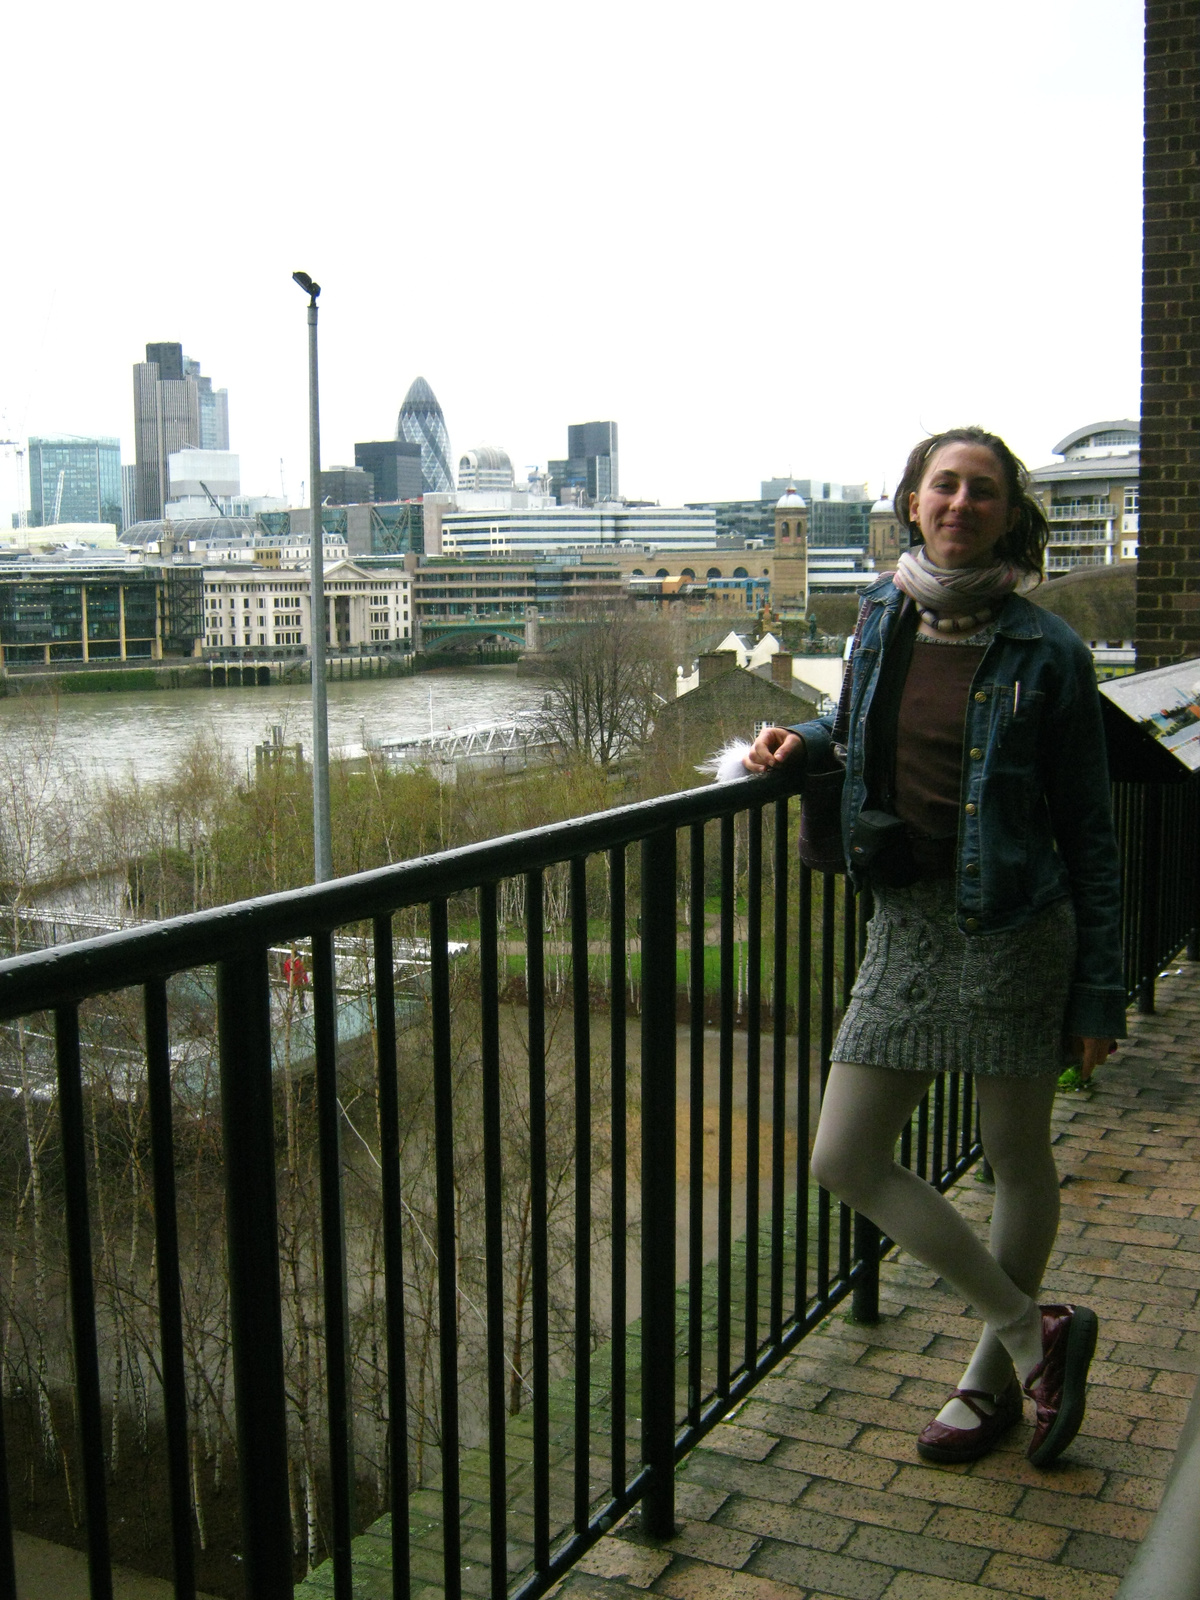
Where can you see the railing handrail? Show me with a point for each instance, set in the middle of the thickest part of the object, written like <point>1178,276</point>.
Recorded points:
<point>40,979</point>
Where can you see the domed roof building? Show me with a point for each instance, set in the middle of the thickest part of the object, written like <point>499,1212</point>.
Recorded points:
<point>421,422</point>
<point>790,500</point>
<point>485,467</point>
<point>188,530</point>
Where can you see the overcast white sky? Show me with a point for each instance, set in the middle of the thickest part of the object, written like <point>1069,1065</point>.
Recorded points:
<point>764,237</point>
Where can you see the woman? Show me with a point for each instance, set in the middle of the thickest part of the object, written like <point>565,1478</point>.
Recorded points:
<point>995,943</point>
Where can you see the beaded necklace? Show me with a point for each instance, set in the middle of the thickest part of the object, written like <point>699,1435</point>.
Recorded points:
<point>961,624</point>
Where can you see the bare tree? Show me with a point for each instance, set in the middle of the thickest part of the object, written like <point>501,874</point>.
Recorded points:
<point>604,684</point>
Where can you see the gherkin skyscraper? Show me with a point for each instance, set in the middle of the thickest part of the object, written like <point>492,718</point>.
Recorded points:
<point>421,422</point>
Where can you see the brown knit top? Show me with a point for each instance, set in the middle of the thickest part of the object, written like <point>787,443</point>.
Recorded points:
<point>929,736</point>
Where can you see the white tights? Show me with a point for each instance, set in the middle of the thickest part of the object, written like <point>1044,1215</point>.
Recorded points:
<point>862,1114</point>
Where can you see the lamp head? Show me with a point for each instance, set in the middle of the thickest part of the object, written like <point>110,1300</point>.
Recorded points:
<point>306,283</point>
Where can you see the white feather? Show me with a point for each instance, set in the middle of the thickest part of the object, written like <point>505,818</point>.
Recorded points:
<point>727,764</point>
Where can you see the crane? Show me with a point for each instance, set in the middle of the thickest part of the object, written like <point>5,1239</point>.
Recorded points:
<point>215,503</point>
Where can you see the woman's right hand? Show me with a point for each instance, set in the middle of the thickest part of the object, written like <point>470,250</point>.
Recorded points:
<point>771,749</point>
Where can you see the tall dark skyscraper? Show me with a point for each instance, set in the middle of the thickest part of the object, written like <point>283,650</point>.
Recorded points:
<point>591,465</point>
<point>395,466</point>
<point>174,406</point>
<point>421,422</point>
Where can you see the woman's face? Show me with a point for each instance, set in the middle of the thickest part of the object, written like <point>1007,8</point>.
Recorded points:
<point>962,506</point>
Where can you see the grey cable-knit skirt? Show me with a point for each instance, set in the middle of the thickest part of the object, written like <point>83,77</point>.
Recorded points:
<point>931,999</point>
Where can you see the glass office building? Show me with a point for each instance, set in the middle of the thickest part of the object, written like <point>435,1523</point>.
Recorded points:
<point>591,467</point>
<point>395,468</point>
<point>74,480</point>
<point>50,614</point>
<point>421,422</point>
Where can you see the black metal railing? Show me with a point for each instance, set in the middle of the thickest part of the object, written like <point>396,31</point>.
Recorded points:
<point>581,1067</point>
<point>1158,832</point>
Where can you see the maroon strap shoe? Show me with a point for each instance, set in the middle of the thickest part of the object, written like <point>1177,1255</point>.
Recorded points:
<point>941,1443</point>
<point>1058,1384</point>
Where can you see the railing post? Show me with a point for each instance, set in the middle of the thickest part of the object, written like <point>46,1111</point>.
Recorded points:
<point>333,1267</point>
<point>864,1306</point>
<point>658,1181</point>
<point>1191,830</point>
<point>248,1135</point>
<point>83,1301</point>
<point>1151,897</point>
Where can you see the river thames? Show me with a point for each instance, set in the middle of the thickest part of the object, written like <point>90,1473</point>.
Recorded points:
<point>120,734</point>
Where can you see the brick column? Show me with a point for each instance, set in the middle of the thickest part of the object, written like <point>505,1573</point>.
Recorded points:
<point>1168,584</point>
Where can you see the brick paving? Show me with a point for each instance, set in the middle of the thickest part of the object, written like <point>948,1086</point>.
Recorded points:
<point>814,1488</point>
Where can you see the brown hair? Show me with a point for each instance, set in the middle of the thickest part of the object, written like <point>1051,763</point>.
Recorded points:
<point>1025,543</point>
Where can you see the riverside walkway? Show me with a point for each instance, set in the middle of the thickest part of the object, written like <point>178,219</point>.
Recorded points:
<point>814,1488</point>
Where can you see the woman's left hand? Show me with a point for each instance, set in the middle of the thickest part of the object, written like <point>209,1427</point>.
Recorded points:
<point>1089,1053</point>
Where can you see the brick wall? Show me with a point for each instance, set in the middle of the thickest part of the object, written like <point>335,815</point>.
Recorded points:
<point>1168,603</point>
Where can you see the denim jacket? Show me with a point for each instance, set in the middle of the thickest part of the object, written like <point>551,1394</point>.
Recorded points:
<point>1035,822</point>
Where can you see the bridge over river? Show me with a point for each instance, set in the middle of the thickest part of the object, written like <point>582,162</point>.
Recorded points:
<point>513,741</point>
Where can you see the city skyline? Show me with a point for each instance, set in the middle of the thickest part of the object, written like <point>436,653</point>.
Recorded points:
<point>825,233</point>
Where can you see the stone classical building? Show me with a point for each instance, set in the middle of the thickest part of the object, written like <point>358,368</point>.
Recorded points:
<point>258,609</point>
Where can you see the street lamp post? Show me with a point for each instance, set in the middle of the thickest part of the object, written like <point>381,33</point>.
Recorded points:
<point>322,834</point>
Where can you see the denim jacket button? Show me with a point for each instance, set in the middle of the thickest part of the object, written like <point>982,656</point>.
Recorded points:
<point>980,696</point>
<point>970,808</point>
<point>976,753</point>
<point>972,869</point>
<point>972,924</point>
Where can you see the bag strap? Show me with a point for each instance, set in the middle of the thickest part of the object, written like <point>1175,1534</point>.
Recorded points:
<point>841,722</point>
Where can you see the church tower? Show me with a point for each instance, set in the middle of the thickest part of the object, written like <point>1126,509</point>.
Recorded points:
<point>789,592</point>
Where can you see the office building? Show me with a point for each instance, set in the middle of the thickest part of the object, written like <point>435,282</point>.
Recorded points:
<point>128,494</point>
<point>376,529</point>
<point>421,422</point>
<point>214,409</point>
<point>741,522</point>
<point>74,480</point>
<point>528,532</point>
<point>1090,497</point>
<point>484,469</point>
<point>102,611</point>
<point>838,524</point>
<point>201,482</point>
<point>499,590</point>
<point>174,408</point>
<point>346,486</point>
<point>590,472</point>
<point>813,489</point>
<point>395,468</point>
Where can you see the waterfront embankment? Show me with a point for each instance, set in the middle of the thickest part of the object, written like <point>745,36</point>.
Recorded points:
<point>122,731</point>
<point>123,677</point>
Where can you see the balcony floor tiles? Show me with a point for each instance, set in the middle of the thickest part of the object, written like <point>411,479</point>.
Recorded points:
<point>813,1489</point>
